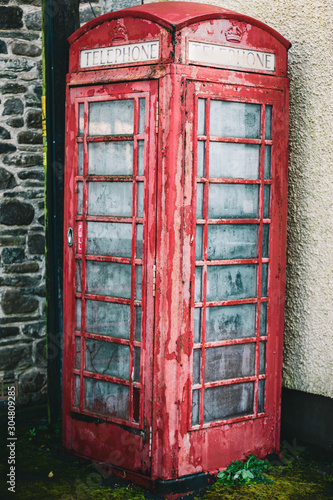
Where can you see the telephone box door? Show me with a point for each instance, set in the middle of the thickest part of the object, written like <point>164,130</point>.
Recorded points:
<point>108,286</point>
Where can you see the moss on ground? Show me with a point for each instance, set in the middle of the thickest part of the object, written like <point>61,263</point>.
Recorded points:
<point>43,471</point>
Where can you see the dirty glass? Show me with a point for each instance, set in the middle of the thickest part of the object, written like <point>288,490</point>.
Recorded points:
<point>109,238</point>
<point>234,119</point>
<point>233,201</point>
<point>81,119</point>
<point>267,201</point>
<point>141,157</point>
<point>110,198</point>
<point>264,280</point>
<point>231,241</point>
<point>197,326</point>
<point>140,186</point>
<point>77,364</point>
<point>138,282</point>
<point>262,358</point>
<point>228,401</point>
<point>78,275</point>
<point>231,282</point>
<point>232,361</point>
<point>110,158</point>
<point>78,306</point>
<point>268,155</point>
<point>106,398</point>
<point>79,198</point>
<point>196,365</point>
<point>234,161</point>
<point>139,240</point>
<point>230,322</point>
<point>265,240</point>
<point>142,106</point>
<point>108,318</point>
<point>201,116</point>
<point>198,284</point>
<point>109,278</point>
<point>136,404</point>
<point>137,360</point>
<point>107,358</point>
<point>80,158</point>
<point>263,318</point>
<point>261,396</point>
<point>196,407</point>
<point>198,242</point>
<point>268,122</point>
<point>137,326</point>
<point>76,391</point>
<point>201,159</point>
<point>111,117</point>
<point>200,192</point>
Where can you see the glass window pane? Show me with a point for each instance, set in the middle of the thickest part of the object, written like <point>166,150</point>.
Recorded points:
<point>235,119</point>
<point>267,201</point>
<point>261,396</point>
<point>197,326</point>
<point>231,282</point>
<point>262,358</point>
<point>110,158</point>
<point>142,110</point>
<point>137,326</point>
<point>80,158</point>
<point>111,117</point>
<point>77,363</point>
<point>110,198</point>
<point>139,240</point>
<point>265,240</point>
<point>108,318</point>
<point>198,284</point>
<point>140,186</point>
<point>264,279</point>
<point>106,358</point>
<point>141,157</point>
<point>230,322</point>
<point>138,282</point>
<point>109,278</point>
<point>196,366</point>
<point>137,360</point>
<point>263,318</point>
<point>201,159</point>
<point>234,161</point>
<point>228,401</point>
<point>201,116</point>
<point>232,361</point>
<point>78,275</point>
<point>231,241</point>
<point>198,242</point>
<point>268,122</point>
<point>233,201</point>
<point>267,169</point>
<point>109,238</point>
<point>81,119</point>
<point>76,391</point>
<point>200,192</point>
<point>136,404</point>
<point>196,407</point>
<point>106,398</point>
<point>78,305</point>
<point>79,198</point>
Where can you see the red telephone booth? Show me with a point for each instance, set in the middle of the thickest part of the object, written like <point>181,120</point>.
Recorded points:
<point>175,219</point>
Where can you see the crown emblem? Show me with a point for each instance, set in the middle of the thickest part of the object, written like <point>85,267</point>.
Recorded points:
<point>119,32</point>
<point>235,32</point>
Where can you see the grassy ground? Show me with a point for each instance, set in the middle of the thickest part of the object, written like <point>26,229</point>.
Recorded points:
<point>43,471</point>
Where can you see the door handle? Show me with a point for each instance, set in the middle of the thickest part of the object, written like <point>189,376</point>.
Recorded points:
<point>70,236</point>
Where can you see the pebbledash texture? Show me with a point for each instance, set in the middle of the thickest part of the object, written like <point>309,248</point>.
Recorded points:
<point>22,242</point>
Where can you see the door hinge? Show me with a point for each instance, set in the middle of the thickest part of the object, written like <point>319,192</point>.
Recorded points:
<point>154,280</point>
<point>150,439</point>
<point>157,117</point>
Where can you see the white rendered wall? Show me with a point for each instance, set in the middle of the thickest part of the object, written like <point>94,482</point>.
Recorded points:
<point>307,24</point>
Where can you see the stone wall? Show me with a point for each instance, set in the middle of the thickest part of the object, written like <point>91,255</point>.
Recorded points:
<point>22,269</point>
